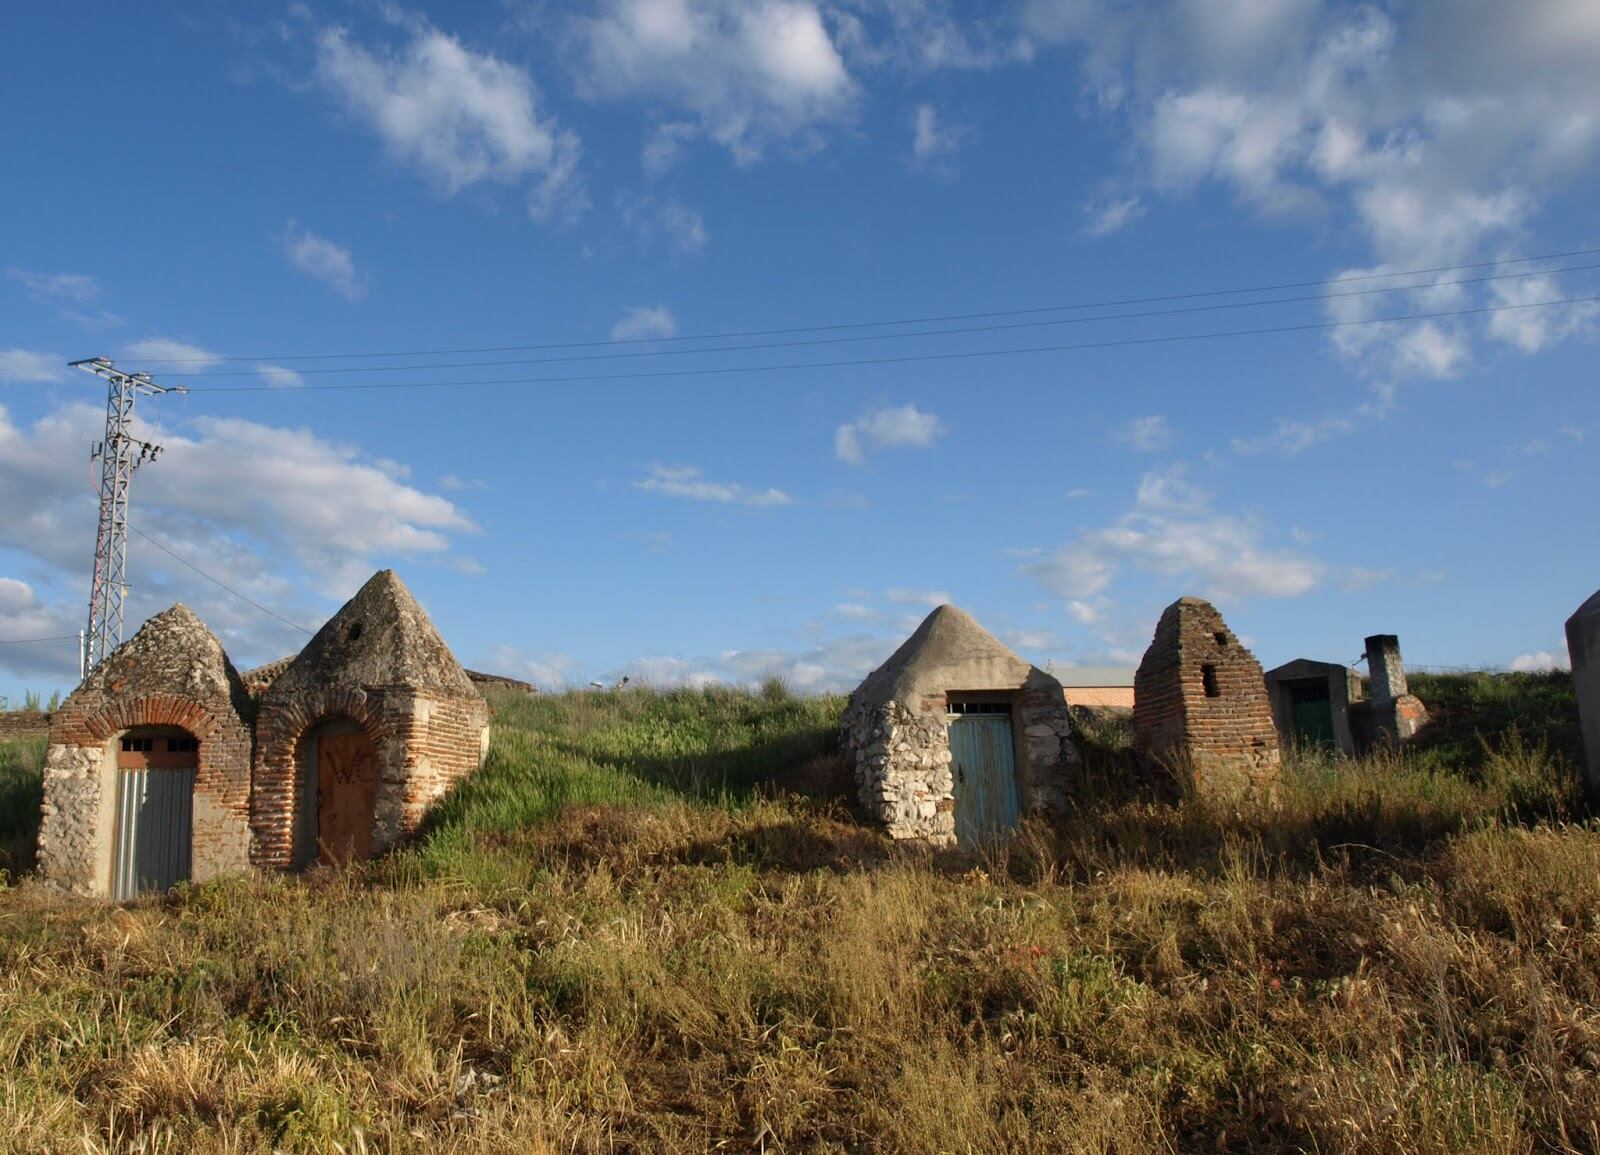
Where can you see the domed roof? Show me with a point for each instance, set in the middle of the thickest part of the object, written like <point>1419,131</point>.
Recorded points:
<point>172,653</point>
<point>949,651</point>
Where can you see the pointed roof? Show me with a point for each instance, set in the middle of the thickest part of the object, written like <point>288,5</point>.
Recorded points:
<point>949,651</point>
<point>381,637</point>
<point>172,653</point>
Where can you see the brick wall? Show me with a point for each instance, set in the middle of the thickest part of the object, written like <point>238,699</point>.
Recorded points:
<point>23,724</point>
<point>424,744</point>
<point>1222,735</point>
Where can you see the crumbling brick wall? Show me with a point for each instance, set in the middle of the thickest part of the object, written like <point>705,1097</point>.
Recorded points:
<point>23,724</point>
<point>171,673</point>
<point>1200,702</point>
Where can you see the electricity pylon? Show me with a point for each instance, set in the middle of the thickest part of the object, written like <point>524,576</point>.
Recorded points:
<point>118,460</point>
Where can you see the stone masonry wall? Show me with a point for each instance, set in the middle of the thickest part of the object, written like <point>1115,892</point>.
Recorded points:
<point>75,834</point>
<point>1226,739</point>
<point>902,761</point>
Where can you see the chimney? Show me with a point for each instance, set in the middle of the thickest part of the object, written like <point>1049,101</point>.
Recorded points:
<point>1386,673</point>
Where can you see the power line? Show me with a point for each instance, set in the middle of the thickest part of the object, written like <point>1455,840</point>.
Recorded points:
<point>928,320</point>
<point>856,338</point>
<point>906,358</point>
<point>36,641</point>
<point>216,581</point>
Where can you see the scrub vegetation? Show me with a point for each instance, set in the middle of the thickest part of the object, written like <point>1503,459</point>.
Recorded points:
<point>652,924</point>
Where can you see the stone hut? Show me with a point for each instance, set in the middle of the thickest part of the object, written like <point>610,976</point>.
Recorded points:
<point>147,779</point>
<point>1311,703</point>
<point>1200,703</point>
<point>1583,647</point>
<point>955,737</point>
<point>372,722</point>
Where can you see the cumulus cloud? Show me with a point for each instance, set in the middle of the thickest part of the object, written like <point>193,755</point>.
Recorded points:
<point>322,260</point>
<point>461,116</point>
<point>747,71</point>
<point>1439,127</point>
<point>282,515</point>
<point>645,322</point>
<point>898,428</point>
<point>681,225</point>
<point>1172,532</point>
<point>30,367</point>
<point>280,377</point>
<point>1111,214</point>
<point>1541,661</point>
<point>687,481</point>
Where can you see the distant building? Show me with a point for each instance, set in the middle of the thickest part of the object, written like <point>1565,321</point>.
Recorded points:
<point>155,775</point>
<point>1311,703</point>
<point>955,737</point>
<point>1101,687</point>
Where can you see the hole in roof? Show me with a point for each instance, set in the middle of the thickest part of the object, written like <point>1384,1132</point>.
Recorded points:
<point>1208,678</point>
<point>354,632</point>
<point>1222,638</point>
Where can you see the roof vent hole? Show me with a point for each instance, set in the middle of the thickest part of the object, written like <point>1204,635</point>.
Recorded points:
<point>1222,637</point>
<point>354,632</point>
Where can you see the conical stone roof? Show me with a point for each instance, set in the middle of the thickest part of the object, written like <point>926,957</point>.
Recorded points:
<point>172,653</point>
<point>948,651</point>
<point>381,637</point>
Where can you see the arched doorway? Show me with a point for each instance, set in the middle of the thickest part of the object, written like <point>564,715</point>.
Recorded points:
<point>338,794</point>
<point>155,809</point>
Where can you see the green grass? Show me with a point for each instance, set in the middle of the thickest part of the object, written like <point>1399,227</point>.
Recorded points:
<point>21,791</point>
<point>624,936</point>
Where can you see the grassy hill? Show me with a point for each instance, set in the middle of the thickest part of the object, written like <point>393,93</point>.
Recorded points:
<point>630,933</point>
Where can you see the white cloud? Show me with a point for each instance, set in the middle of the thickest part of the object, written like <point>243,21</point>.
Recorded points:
<point>1541,661</point>
<point>679,223</point>
<point>547,671</point>
<point>903,427</point>
<point>463,117</point>
<point>173,356</point>
<point>322,260</point>
<point>666,143</point>
<point>29,367</point>
<point>1146,434</point>
<point>1532,329</point>
<point>645,322</point>
<point>929,138</point>
<point>1439,127</point>
<point>1290,436</point>
<point>1111,214</point>
<point>686,481</point>
<point>282,515</point>
<point>855,612</point>
<point>1174,534</point>
<point>70,288</point>
<point>280,377</point>
<point>747,71</point>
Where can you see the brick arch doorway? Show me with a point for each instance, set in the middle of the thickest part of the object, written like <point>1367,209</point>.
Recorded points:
<point>152,842</point>
<point>337,808</point>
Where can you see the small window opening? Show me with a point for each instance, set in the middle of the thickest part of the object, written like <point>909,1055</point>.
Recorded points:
<point>141,745</point>
<point>183,745</point>
<point>980,708</point>
<point>1222,637</point>
<point>1208,678</point>
<point>355,632</point>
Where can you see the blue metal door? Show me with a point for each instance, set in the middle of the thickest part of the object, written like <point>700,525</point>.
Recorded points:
<point>155,813</point>
<point>983,764</point>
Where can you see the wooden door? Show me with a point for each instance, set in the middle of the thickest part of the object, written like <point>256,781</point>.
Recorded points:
<point>983,763</point>
<point>1313,715</point>
<point>347,796</point>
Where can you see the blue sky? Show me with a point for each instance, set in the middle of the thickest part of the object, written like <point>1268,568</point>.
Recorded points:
<point>238,191</point>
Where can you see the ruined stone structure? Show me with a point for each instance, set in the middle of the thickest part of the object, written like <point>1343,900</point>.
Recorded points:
<point>955,737</point>
<point>1311,703</point>
<point>1391,715</point>
<point>1200,703</point>
<point>372,722</point>
<point>155,774</point>
<point>1583,646</point>
<point>153,743</point>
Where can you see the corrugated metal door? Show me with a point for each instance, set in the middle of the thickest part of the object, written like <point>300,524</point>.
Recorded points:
<point>983,763</point>
<point>155,815</point>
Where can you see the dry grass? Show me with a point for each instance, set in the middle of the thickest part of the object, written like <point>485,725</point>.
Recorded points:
<point>1386,956</point>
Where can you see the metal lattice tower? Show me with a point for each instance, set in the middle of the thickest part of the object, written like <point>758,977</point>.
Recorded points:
<point>119,455</point>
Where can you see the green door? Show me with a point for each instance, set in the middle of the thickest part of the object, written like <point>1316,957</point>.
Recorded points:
<point>983,764</point>
<point>1313,715</point>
